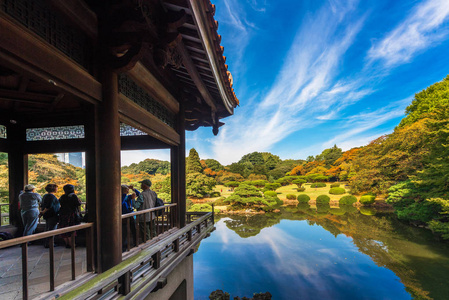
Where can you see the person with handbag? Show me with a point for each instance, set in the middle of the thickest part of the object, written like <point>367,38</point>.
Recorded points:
<point>69,213</point>
<point>50,209</point>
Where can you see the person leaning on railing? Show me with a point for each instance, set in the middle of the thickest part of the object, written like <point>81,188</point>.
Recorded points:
<point>128,207</point>
<point>29,202</point>
<point>69,214</point>
<point>50,209</point>
<point>146,200</point>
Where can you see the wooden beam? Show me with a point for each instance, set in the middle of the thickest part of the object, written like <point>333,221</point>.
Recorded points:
<point>25,52</point>
<point>79,14</point>
<point>148,82</point>
<point>22,95</point>
<point>134,115</point>
<point>193,72</point>
<point>55,146</point>
<point>142,142</point>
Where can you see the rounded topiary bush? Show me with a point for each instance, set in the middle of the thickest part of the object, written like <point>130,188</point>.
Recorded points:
<point>337,191</point>
<point>323,199</point>
<point>335,185</point>
<point>347,200</point>
<point>303,198</point>
<point>318,185</point>
<point>270,194</point>
<point>291,197</point>
<point>215,194</point>
<point>301,189</point>
<point>367,199</point>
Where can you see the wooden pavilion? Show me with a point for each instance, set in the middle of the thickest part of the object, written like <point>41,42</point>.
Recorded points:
<point>103,76</point>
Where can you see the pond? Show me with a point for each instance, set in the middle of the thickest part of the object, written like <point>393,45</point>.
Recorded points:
<point>320,252</point>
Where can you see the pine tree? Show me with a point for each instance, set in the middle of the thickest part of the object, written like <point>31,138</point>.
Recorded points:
<point>193,164</point>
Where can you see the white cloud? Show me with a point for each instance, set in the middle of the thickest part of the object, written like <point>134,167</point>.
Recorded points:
<point>298,98</point>
<point>422,29</point>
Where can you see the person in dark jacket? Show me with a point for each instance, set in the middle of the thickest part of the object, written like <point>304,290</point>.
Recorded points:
<point>69,213</point>
<point>128,207</point>
<point>50,209</point>
<point>29,202</point>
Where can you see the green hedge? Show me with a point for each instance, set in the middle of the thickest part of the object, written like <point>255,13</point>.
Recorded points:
<point>367,199</point>
<point>335,185</point>
<point>291,197</point>
<point>318,185</point>
<point>303,198</point>
<point>347,200</point>
<point>215,194</point>
<point>337,191</point>
<point>301,189</point>
<point>270,194</point>
<point>323,199</point>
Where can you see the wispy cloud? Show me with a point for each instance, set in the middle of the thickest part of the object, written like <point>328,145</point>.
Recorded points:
<point>425,27</point>
<point>305,89</point>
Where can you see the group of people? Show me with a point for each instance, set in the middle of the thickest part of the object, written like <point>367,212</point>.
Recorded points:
<point>132,200</point>
<point>65,211</point>
<point>62,212</point>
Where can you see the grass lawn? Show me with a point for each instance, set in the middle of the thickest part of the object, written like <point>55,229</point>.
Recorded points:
<point>313,193</point>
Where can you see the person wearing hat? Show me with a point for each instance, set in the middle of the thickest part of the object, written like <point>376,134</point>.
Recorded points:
<point>146,200</point>
<point>29,202</point>
<point>128,207</point>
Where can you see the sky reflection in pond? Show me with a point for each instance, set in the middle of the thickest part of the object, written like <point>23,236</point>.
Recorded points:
<point>298,259</point>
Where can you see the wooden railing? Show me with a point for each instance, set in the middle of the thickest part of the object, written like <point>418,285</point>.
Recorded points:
<point>23,242</point>
<point>2,215</point>
<point>146,270</point>
<point>167,220</point>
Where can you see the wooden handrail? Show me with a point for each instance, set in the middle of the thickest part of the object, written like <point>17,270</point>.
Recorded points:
<point>39,236</point>
<point>105,279</point>
<point>141,212</point>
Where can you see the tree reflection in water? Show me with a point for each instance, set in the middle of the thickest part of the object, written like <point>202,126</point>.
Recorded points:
<point>413,254</point>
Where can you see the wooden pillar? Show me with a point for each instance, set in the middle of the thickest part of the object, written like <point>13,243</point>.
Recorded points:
<point>91,130</point>
<point>108,167</point>
<point>178,169</point>
<point>18,171</point>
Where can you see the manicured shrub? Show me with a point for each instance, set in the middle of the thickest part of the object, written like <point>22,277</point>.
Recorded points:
<point>272,186</point>
<point>318,185</point>
<point>303,198</point>
<point>220,201</point>
<point>270,194</point>
<point>335,185</point>
<point>323,199</point>
<point>337,191</point>
<point>301,189</point>
<point>367,199</point>
<point>347,200</point>
<point>215,194</point>
<point>291,197</point>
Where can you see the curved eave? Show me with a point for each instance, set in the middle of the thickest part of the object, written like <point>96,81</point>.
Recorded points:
<point>199,13</point>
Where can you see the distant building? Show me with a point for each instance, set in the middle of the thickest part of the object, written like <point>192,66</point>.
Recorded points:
<point>74,158</point>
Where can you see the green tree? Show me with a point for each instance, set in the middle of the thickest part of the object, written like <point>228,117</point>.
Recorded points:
<point>214,165</point>
<point>199,185</point>
<point>193,164</point>
<point>329,156</point>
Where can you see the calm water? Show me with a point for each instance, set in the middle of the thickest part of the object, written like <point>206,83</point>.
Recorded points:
<point>322,253</point>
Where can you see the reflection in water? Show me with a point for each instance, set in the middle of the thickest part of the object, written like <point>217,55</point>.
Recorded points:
<point>307,252</point>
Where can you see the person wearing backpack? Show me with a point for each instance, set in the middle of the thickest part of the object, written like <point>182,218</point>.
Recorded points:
<point>69,213</point>
<point>128,201</point>
<point>50,209</point>
<point>146,200</point>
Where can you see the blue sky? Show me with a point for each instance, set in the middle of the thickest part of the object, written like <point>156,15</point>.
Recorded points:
<point>313,73</point>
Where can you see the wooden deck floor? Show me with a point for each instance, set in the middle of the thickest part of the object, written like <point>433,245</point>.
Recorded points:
<point>38,266</point>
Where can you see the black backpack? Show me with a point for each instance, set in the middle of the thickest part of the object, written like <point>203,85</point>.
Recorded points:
<point>159,203</point>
